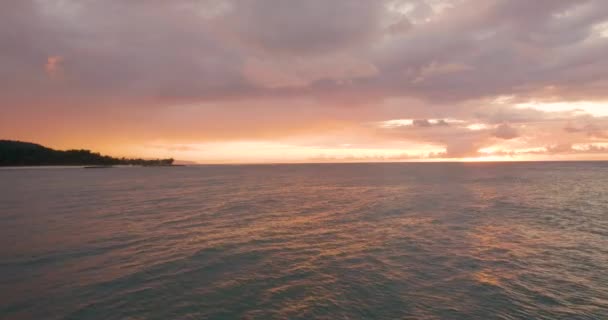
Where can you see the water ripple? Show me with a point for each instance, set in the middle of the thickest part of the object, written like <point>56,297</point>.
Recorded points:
<point>372,241</point>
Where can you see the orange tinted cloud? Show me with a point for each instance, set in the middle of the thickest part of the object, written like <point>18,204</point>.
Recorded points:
<point>53,66</point>
<point>388,79</point>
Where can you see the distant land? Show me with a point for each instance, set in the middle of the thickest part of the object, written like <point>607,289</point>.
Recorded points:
<point>18,153</point>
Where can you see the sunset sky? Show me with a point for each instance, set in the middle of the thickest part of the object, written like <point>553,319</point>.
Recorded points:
<point>231,81</point>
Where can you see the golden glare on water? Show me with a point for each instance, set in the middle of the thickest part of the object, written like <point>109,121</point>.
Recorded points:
<point>396,240</point>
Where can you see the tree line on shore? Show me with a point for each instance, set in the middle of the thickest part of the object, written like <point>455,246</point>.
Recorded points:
<point>17,153</point>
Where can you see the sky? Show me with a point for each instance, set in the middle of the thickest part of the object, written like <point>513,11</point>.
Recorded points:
<point>241,81</point>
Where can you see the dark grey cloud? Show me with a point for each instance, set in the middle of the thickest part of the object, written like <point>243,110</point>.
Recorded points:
<point>199,49</point>
<point>305,27</point>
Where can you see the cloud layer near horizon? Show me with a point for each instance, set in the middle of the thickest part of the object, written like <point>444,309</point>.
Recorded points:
<point>301,80</point>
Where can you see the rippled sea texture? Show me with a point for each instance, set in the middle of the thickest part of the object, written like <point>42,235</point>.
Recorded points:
<point>333,241</point>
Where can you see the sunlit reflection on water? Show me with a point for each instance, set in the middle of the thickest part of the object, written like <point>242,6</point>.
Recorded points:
<point>373,241</point>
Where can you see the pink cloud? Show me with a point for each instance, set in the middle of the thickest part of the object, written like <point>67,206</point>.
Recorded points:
<point>53,66</point>
<point>315,72</point>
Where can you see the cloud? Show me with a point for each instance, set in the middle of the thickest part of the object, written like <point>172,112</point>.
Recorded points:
<point>425,123</point>
<point>207,49</point>
<point>435,70</point>
<point>305,27</point>
<point>504,131</point>
<point>53,66</point>
<point>513,73</point>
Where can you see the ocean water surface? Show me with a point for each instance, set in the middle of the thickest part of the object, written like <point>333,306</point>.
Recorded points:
<point>316,241</point>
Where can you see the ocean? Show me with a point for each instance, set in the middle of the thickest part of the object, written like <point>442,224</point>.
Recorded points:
<point>306,241</point>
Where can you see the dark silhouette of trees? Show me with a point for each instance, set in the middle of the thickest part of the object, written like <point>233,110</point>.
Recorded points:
<point>17,153</point>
